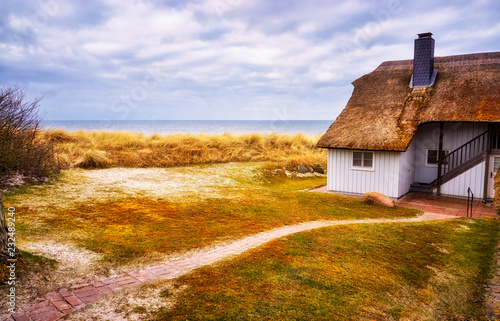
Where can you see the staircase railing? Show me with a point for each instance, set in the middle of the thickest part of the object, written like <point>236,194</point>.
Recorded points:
<point>462,159</point>
<point>464,153</point>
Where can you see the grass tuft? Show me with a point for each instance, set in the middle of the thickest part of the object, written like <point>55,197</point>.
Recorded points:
<point>91,158</point>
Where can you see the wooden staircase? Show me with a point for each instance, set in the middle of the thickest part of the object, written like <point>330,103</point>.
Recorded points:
<point>462,159</point>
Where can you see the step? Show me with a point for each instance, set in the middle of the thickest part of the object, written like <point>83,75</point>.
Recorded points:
<point>421,188</point>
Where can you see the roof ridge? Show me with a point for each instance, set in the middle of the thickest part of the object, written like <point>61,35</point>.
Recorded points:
<point>474,58</point>
<point>377,116</point>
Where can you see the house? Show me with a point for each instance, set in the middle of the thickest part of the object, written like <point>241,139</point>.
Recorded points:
<point>431,124</point>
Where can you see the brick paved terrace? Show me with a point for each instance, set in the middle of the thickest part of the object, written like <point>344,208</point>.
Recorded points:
<point>430,203</point>
<point>446,205</point>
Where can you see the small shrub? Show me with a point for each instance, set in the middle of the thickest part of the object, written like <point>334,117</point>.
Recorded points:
<point>23,151</point>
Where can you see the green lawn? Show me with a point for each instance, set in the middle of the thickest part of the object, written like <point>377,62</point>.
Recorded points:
<point>128,227</point>
<point>418,271</point>
<point>403,271</point>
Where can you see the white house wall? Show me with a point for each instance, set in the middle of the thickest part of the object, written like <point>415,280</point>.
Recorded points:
<point>406,170</point>
<point>473,178</point>
<point>427,137</point>
<point>383,178</point>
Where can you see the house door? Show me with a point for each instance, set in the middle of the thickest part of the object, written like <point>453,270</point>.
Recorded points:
<point>494,165</point>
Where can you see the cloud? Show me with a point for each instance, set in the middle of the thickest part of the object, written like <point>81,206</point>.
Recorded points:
<point>220,59</point>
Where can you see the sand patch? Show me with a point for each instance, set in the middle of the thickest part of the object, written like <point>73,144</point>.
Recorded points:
<point>78,185</point>
<point>74,264</point>
<point>65,253</point>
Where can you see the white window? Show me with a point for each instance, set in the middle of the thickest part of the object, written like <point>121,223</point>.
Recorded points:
<point>432,157</point>
<point>362,160</point>
<point>496,164</point>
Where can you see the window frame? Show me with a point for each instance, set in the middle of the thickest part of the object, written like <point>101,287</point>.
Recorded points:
<point>494,163</point>
<point>427,164</point>
<point>362,167</point>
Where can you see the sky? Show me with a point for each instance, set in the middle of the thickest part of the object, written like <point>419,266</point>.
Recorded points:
<point>220,59</point>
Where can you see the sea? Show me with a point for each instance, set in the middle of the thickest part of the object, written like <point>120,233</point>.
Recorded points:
<point>216,127</point>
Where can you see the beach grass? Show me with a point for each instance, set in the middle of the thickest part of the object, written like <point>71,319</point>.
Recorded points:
<point>103,149</point>
<point>398,271</point>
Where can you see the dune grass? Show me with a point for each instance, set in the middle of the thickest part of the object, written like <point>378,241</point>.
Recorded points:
<point>418,271</point>
<point>101,149</point>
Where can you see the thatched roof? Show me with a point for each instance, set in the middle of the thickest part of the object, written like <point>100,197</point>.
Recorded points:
<point>383,112</point>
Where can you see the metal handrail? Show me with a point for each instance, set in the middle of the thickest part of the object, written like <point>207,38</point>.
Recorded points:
<point>470,201</point>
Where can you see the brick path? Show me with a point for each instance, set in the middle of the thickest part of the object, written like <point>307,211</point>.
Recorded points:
<point>58,303</point>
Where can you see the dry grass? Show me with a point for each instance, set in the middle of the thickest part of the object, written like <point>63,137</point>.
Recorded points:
<point>101,222</point>
<point>123,219</point>
<point>100,149</point>
<point>49,222</point>
<point>124,214</point>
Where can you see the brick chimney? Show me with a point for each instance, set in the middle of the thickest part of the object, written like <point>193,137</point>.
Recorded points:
<point>423,61</point>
